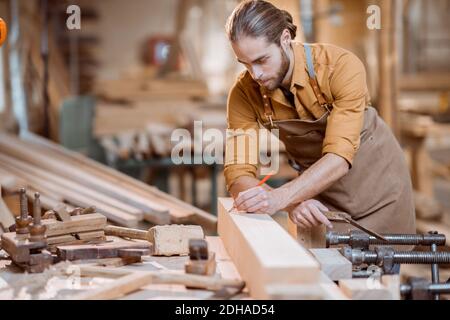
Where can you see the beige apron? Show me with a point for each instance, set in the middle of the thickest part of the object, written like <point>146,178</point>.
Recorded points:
<point>377,190</point>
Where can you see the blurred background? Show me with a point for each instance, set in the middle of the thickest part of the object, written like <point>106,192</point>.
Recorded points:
<point>115,88</point>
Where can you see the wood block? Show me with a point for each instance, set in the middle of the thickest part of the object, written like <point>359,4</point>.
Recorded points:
<point>263,252</point>
<point>365,289</point>
<point>87,222</point>
<point>171,240</point>
<point>333,263</point>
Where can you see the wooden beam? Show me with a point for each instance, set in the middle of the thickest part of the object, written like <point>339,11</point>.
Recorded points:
<point>387,100</point>
<point>333,263</point>
<point>225,265</point>
<point>365,289</point>
<point>263,252</point>
<point>129,281</point>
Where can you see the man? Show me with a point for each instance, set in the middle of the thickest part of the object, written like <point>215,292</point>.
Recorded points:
<point>316,96</point>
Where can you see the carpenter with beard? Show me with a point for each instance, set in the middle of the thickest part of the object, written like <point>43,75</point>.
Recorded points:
<point>316,96</point>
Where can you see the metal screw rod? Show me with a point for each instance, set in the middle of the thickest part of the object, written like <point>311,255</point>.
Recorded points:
<point>335,238</point>
<point>410,257</point>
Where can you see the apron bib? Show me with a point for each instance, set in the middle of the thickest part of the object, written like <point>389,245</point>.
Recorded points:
<point>377,190</point>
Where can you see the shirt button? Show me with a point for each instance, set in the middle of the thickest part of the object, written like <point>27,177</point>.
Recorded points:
<point>264,96</point>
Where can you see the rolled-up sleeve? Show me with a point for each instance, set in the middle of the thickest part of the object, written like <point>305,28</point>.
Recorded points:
<point>241,152</point>
<point>349,89</point>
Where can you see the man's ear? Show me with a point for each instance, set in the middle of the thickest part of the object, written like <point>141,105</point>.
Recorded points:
<point>285,39</point>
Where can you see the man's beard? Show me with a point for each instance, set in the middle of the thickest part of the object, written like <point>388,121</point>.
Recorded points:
<point>281,72</point>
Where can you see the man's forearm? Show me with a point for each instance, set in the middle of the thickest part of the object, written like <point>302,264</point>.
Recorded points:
<point>317,178</point>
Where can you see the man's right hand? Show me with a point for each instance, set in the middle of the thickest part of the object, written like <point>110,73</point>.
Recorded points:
<point>308,214</point>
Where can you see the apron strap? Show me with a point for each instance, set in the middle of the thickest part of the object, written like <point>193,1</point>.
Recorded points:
<point>313,79</point>
<point>267,108</point>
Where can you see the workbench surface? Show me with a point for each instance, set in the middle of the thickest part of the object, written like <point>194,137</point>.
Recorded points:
<point>14,284</point>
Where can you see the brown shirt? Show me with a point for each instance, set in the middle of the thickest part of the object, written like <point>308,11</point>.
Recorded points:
<point>342,79</point>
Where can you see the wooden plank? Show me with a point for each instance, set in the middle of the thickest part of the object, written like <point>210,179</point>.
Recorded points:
<point>70,185</point>
<point>392,283</point>
<point>263,252</point>
<point>365,289</point>
<point>78,199</point>
<point>82,223</point>
<point>225,265</point>
<point>99,251</point>
<point>70,238</point>
<point>333,263</point>
<point>180,211</point>
<point>130,281</point>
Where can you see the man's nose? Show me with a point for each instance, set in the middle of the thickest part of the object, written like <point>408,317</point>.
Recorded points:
<point>257,72</point>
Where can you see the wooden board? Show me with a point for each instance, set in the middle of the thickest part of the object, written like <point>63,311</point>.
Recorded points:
<point>225,265</point>
<point>74,194</point>
<point>365,289</point>
<point>180,211</point>
<point>99,251</point>
<point>82,223</point>
<point>22,150</point>
<point>333,263</point>
<point>263,251</point>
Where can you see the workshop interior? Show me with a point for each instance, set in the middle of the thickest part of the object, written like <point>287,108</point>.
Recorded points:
<point>123,176</point>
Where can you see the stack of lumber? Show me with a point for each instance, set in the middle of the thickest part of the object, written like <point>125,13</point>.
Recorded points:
<point>143,130</point>
<point>78,229</point>
<point>61,175</point>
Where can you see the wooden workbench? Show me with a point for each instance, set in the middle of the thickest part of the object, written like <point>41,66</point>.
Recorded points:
<point>10,275</point>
